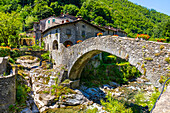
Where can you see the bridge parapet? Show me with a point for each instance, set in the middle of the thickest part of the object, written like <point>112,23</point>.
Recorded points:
<point>149,57</point>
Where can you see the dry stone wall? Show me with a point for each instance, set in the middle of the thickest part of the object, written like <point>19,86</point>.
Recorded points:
<point>3,64</point>
<point>7,92</point>
<point>147,56</point>
<point>7,86</point>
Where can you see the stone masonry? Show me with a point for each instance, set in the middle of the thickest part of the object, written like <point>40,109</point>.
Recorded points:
<point>3,64</point>
<point>147,56</point>
<point>7,86</point>
<point>7,92</point>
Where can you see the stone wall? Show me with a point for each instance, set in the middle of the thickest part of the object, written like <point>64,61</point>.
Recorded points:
<point>147,56</point>
<point>7,92</point>
<point>3,64</point>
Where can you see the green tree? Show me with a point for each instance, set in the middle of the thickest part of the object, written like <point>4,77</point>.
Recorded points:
<point>9,5</point>
<point>42,10</point>
<point>29,21</point>
<point>10,25</point>
<point>99,20</point>
<point>71,9</point>
<point>56,8</point>
<point>166,31</point>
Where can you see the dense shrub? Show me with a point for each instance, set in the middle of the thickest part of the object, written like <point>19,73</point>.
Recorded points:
<point>114,106</point>
<point>45,56</point>
<point>15,53</point>
<point>36,47</point>
<point>153,99</point>
<point>5,51</point>
<point>111,68</point>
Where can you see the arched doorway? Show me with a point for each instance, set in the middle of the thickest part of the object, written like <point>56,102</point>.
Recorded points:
<point>68,43</point>
<point>24,42</point>
<point>55,45</point>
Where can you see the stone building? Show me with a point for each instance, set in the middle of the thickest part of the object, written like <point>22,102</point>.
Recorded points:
<point>69,33</point>
<point>46,23</point>
<point>68,30</point>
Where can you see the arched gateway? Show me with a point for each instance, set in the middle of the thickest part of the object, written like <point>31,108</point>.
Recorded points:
<point>148,57</point>
<point>55,45</point>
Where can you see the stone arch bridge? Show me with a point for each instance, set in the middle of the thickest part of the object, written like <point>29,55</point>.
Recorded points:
<point>150,58</point>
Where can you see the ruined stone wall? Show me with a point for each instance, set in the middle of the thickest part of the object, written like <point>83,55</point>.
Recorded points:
<point>7,92</point>
<point>147,56</point>
<point>3,64</point>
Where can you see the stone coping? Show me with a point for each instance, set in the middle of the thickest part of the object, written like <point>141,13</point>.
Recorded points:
<point>2,77</point>
<point>2,58</point>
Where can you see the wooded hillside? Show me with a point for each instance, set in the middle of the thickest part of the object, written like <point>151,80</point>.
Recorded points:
<point>132,18</point>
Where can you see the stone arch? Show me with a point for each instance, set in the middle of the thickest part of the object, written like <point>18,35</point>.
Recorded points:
<point>78,66</point>
<point>75,70</point>
<point>55,45</point>
<point>68,42</point>
<point>74,73</point>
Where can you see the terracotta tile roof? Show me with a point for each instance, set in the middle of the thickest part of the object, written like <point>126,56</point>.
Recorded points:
<point>112,29</point>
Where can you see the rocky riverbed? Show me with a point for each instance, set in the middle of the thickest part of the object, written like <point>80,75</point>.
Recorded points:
<point>46,95</point>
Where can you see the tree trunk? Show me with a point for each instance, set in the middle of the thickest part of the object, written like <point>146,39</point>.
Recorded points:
<point>6,42</point>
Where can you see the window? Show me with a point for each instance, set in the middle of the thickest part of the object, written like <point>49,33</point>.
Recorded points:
<point>53,20</point>
<point>83,26</point>
<point>48,21</point>
<point>68,32</point>
<point>83,33</point>
<point>56,30</point>
<point>95,34</point>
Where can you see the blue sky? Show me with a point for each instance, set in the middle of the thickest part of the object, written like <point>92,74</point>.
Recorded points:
<point>162,6</point>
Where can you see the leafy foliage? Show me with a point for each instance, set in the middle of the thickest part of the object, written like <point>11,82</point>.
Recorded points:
<point>153,99</point>
<point>5,51</point>
<point>29,21</point>
<point>114,106</point>
<point>116,69</point>
<point>71,9</point>
<point>9,28</point>
<point>45,56</point>
<point>166,31</point>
